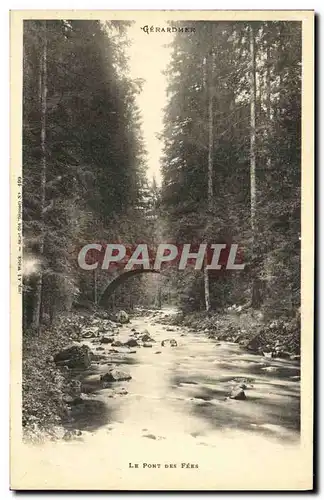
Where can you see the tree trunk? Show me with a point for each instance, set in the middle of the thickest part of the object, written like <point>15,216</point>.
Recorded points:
<point>43,106</point>
<point>206,288</point>
<point>210,94</point>
<point>252,134</point>
<point>268,84</point>
<point>95,287</point>
<point>159,297</point>
<point>210,131</point>
<point>255,284</point>
<point>268,100</point>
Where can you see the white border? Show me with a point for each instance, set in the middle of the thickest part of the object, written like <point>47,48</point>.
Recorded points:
<point>4,191</point>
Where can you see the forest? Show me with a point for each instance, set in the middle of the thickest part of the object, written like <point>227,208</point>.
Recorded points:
<point>231,173</point>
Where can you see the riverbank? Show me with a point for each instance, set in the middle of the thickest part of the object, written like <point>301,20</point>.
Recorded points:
<point>61,366</point>
<point>277,338</point>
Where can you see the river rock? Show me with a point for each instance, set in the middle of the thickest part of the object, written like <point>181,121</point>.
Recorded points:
<point>90,332</point>
<point>102,314</point>
<point>131,343</point>
<point>282,354</point>
<point>238,394</point>
<point>122,317</point>
<point>171,342</point>
<point>147,338</point>
<point>72,434</point>
<point>72,391</point>
<point>91,382</point>
<point>254,343</point>
<point>149,436</point>
<point>122,391</point>
<point>115,375</point>
<point>75,356</point>
<point>77,401</point>
<point>269,369</point>
<point>96,357</point>
<point>67,399</point>
<point>117,343</point>
<point>107,340</point>
<point>146,344</point>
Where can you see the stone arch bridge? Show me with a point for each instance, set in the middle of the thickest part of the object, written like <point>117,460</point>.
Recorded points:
<point>115,280</point>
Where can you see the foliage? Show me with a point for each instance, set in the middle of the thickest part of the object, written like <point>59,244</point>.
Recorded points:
<point>43,383</point>
<point>278,163</point>
<point>81,131</point>
<point>96,187</point>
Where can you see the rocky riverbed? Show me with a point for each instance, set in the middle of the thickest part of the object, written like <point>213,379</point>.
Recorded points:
<point>207,411</point>
<point>194,383</point>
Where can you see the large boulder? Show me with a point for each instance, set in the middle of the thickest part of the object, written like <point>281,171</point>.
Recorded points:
<point>117,343</point>
<point>131,343</point>
<point>106,340</point>
<point>75,356</point>
<point>122,317</point>
<point>147,338</point>
<point>254,343</point>
<point>115,375</point>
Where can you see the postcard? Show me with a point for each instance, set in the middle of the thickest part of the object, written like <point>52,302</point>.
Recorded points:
<point>162,250</point>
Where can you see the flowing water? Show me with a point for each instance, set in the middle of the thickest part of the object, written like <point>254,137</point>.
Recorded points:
<point>175,410</point>
<point>185,389</point>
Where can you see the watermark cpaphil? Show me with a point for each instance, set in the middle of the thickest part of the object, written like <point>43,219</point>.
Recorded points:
<point>215,256</point>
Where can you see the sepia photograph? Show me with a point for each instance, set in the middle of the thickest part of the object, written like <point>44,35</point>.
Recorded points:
<point>162,250</point>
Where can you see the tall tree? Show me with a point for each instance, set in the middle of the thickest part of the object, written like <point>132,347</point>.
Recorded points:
<point>253,178</point>
<point>84,179</point>
<point>256,159</point>
<point>210,191</point>
<point>43,168</point>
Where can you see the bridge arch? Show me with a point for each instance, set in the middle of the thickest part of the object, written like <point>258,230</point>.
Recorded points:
<point>115,283</point>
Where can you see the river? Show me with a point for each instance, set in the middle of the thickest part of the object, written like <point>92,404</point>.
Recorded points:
<point>175,410</point>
